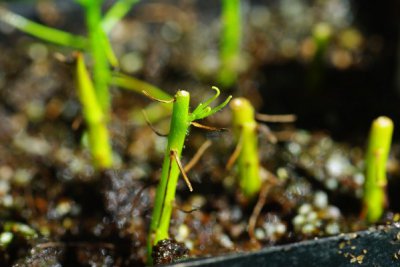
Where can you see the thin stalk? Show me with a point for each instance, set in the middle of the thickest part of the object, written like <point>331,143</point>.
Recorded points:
<point>43,32</point>
<point>245,130</point>
<point>165,194</point>
<point>138,86</point>
<point>94,117</point>
<point>116,13</point>
<point>101,71</point>
<point>230,42</point>
<point>374,198</point>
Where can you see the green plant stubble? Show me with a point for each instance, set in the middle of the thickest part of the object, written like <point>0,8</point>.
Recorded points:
<point>376,159</point>
<point>245,130</point>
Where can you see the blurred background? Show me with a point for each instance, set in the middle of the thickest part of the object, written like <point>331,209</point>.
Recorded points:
<point>334,63</point>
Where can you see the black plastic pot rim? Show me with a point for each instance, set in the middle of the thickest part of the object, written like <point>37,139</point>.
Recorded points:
<point>378,246</point>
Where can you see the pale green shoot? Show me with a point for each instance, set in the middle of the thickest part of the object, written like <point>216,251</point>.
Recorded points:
<point>94,117</point>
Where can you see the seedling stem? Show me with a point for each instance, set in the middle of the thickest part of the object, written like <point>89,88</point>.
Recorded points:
<point>380,139</point>
<point>245,130</point>
<point>94,116</point>
<point>230,42</point>
<point>165,194</point>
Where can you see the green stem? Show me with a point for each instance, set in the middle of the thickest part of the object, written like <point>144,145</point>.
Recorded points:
<point>43,32</point>
<point>245,130</point>
<point>230,42</point>
<point>165,194</point>
<point>98,49</point>
<point>376,159</point>
<point>94,117</point>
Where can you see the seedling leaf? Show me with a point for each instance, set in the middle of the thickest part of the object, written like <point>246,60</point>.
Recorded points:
<point>204,110</point>
<point>43,32</point>
<point>116,13</point>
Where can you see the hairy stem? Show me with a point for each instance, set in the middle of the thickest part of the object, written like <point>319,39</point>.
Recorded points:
<point>165,194</point>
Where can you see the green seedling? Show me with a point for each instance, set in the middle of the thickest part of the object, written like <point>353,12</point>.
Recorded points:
<point>245,130</point>
<point>110,19</point>
<point>94,97</point>
<point>181,121</point>
<point>374,198</point>
<point>97,43</point>
<point>230,42</point>
<point>94,117</point>
<point>321,37</point>
<point>322,34</point>
<point>99,47</point>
